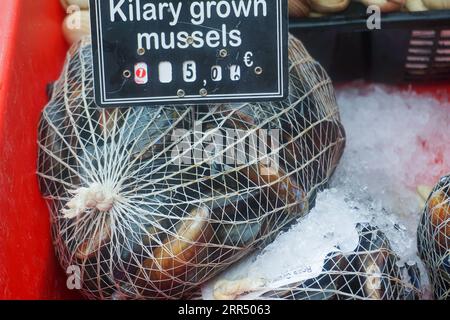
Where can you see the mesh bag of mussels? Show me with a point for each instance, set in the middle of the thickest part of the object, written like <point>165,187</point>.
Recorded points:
<point>434,238</point>
<point>365,268</point>
<point>141,220</point>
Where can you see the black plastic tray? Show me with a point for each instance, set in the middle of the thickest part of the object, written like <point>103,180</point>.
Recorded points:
<point>349,50</point>
<point>355,19</point>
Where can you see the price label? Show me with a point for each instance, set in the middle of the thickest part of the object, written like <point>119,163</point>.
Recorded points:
<point>147,52</point>
<point>141,73</point>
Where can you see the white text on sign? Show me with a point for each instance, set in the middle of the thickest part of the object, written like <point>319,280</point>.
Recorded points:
<point>199,12</point>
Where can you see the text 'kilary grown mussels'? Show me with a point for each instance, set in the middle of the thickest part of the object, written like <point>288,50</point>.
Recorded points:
<point>371,270</point>
<point>433,238</point>
<point>152,202</point>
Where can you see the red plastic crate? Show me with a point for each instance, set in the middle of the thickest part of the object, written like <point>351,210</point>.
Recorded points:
<point>32,51</point>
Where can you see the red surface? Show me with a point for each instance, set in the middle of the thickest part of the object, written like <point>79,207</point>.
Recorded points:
<point>32,51</point>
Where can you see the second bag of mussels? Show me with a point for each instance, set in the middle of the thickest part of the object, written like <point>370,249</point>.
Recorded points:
<point>143,221</point>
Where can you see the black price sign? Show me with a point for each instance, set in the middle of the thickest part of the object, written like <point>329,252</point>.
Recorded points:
<point>152,52</point>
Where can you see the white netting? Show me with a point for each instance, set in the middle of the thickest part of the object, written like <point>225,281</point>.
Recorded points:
<point>433,238</point>
<point>140,219</point>
<point>334,253</point>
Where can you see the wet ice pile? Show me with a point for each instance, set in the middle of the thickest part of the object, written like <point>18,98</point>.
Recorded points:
<point>396,142</point>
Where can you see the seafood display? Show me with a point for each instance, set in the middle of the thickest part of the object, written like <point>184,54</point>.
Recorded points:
<point>236,201</point>
<point>434,238</point>
<point>153,202</point>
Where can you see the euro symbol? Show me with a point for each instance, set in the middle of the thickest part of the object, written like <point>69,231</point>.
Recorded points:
<point>248,59</point>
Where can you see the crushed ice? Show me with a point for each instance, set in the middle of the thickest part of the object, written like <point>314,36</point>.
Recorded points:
<point>396,141</point>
